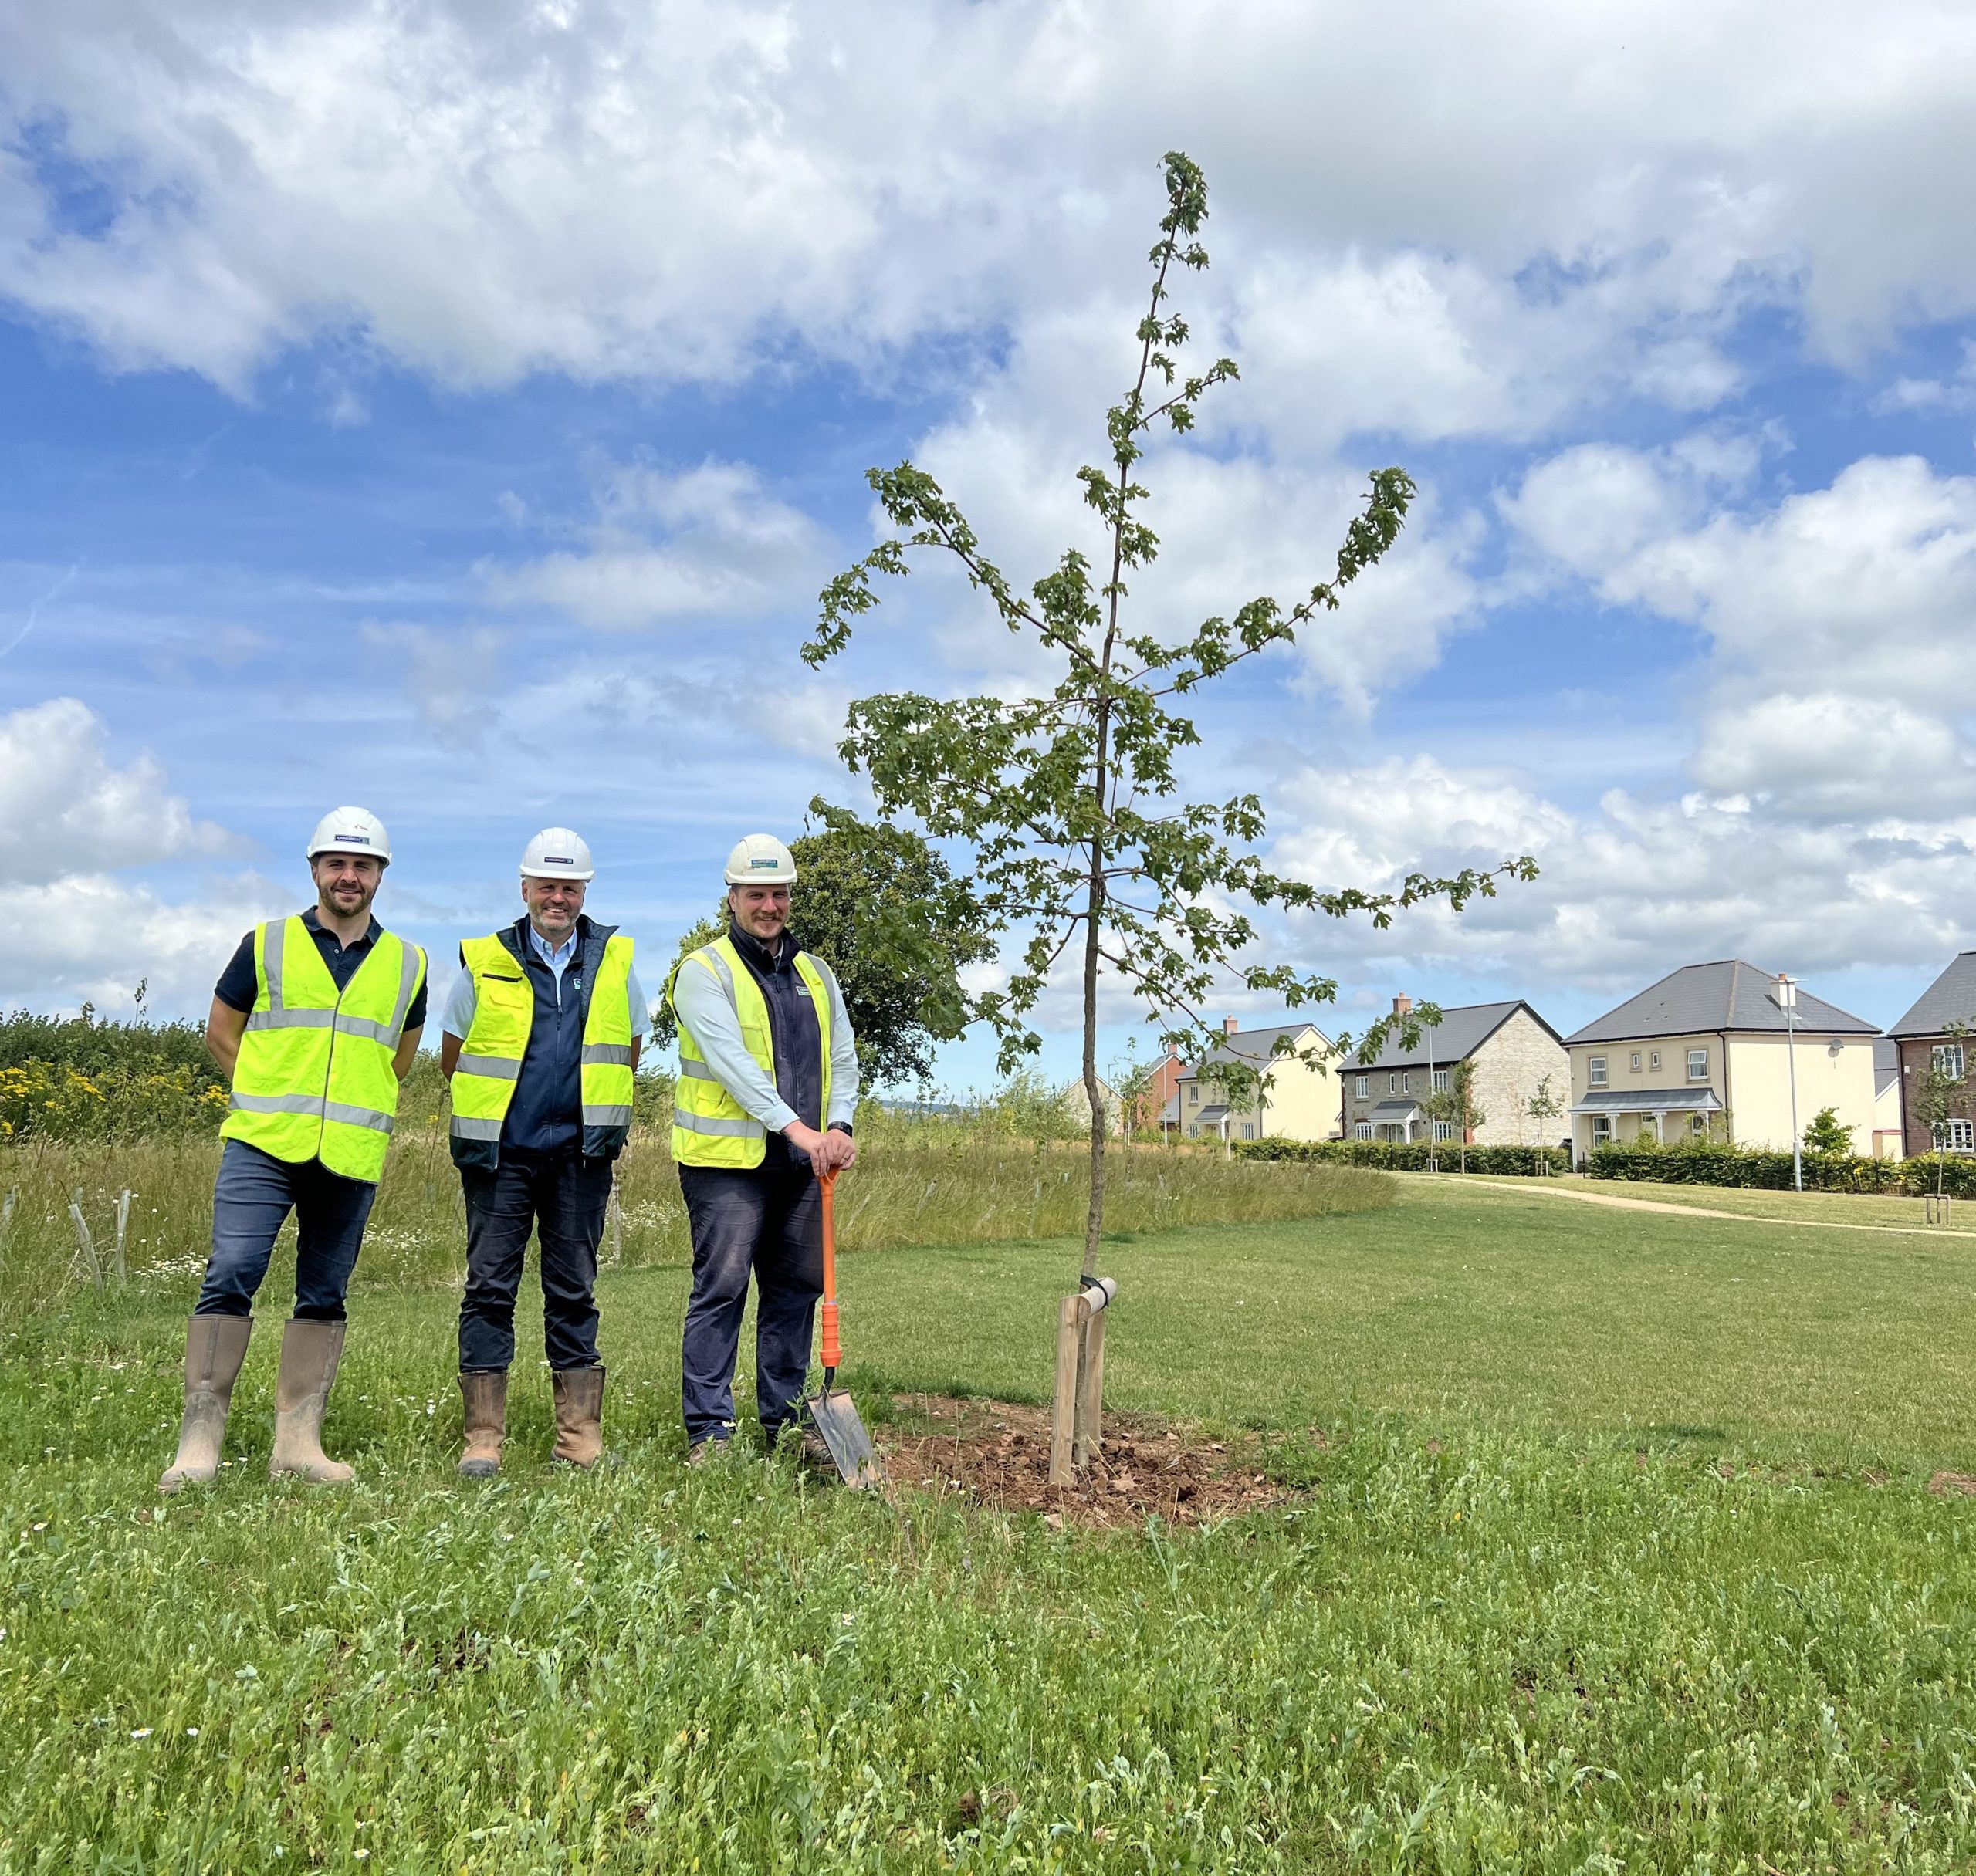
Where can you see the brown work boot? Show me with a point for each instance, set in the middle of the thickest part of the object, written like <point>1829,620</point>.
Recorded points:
<point>215,1345</point>
<point>484,1399</point>
<point>309,1353</point>
<point>579,1416</point>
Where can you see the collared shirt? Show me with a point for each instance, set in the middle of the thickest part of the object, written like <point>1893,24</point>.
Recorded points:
<point>238,984</point>
<point>704,1010</point>
<point>461,1001</point>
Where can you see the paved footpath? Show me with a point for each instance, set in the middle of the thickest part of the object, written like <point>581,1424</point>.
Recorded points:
<point>1560,1191</point>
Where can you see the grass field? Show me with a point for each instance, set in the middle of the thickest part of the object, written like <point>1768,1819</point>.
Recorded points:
<point>1618,1552</point>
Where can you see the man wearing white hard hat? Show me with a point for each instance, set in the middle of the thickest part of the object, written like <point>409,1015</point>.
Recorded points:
<point>768,1085</point>
<point>315,1022</point>
<point>541,1039</point>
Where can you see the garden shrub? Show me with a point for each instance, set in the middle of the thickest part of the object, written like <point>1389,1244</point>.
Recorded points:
<point>1718,1163</point>
<point>1394,1156</point>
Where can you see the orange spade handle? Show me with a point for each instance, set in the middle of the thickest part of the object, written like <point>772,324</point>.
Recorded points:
<point>832,1354</point>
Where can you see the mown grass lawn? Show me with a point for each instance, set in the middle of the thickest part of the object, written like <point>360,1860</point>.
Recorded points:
<point>1618,1554</point>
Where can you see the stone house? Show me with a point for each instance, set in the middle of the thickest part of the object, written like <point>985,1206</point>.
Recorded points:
<point>1922,1035</point>
<point>1512,1047</point>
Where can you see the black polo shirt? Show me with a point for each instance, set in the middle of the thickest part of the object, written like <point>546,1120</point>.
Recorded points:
<point>238,985</point>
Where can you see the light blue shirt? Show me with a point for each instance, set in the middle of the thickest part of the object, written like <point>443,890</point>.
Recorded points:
<point>461,1001</point>
<point>705,1012</point>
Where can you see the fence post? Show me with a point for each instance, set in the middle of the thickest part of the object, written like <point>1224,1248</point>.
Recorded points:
<point>123,1225</point>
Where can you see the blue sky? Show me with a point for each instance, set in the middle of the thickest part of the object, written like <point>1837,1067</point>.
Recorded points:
<point>455,409</point>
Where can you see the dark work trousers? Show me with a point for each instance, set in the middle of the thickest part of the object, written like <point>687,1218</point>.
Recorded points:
<point>251,1199</point>
<point>562,1197</point>
<point>769,1221</point>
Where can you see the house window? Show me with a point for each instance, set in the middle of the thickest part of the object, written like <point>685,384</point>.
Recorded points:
<point>1444,1130</point>
<point>1393,1084</point>
<point>1365,1087</point>
<point>1635,1062</point>
<point>1656,1058</point>
<point>1602,1131</point>
<point>1440,1081</point>
<point>1961,1136</point>
<point>1364,1130</point>
<point>1697,1064</point>
<point>1596,1070</point>
<point>1248,1132</point>
<point>1948,1060</point>
<point>1697,1123</point>
<point>1194,1094</point>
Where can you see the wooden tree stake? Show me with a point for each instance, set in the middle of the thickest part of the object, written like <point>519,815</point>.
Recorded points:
<point>1072,1315</point>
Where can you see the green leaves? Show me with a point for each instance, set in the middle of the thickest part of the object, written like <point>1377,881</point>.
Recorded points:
<point>1067,797</point>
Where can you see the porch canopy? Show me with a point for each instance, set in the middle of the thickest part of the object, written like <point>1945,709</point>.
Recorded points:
<point>1649,1101</point>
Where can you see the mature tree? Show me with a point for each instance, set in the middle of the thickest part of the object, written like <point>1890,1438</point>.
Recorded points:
<point>1455,1106</point>
<point>887,912</point>
<point>1941,1095</point>
<point>1825,1135</point>
<point>1068,797</point>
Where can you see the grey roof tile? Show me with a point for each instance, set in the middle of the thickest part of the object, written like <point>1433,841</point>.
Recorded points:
<point>1728,995</point>
<point>1463,1030</point>
<point>1951,998</point>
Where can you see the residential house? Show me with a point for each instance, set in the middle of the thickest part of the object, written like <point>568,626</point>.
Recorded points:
<point>1075,1102</point>
<point>1708,1053</point>
<point>1300,1102</point>
<point>1157,1103</point>
<point>1512,1047</point>
<point>1922,1036</point>
<point>1887,1099</point>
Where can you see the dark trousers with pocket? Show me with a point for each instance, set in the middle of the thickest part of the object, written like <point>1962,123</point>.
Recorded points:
<point>562,1199</point>
<point>768,1223</point>
<point>251,1199</point>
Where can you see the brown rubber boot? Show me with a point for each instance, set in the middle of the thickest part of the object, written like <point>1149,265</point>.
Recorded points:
<point>484,1401</point>
<point>578,1415</point>
<point>215,1345</point>
<point>309,1353</point>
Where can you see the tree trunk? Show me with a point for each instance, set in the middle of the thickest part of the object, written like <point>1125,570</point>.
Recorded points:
<point>1094,1220</point>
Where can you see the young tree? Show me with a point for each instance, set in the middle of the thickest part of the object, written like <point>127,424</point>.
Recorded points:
<point>1940,1097</point>
<point>1068,798</point>
<point>898,928</point>
<point>1543,1107</point>
<point>1456,1106</point>
<point>1825,1135</point>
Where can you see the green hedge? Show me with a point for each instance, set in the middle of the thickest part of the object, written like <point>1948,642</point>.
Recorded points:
<point>1770,1171</point>
<point>1395,1157</point>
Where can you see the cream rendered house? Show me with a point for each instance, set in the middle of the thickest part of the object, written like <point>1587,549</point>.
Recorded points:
<point>1707,1053</point>
<point>1300,1103</point>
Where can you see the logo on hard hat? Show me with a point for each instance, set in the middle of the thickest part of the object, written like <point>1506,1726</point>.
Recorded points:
<point>771,864</point>
<point>557,860</point>
<point>356,839</point>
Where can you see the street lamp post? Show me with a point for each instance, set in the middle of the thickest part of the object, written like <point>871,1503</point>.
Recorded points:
<point>1787,1001</point>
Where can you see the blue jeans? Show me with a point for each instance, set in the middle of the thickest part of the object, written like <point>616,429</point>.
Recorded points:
<point>562,1198</point>
<point>251,1199</point>
<point>769,1223</point>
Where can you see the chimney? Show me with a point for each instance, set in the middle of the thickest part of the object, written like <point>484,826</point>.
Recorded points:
<point>1229,1025</point>
<point>1403,1004</point>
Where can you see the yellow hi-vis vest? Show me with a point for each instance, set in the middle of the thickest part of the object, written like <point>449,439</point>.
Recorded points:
<point>709,1126</point>
<point>491,1053</point>
<point>314,1078</point>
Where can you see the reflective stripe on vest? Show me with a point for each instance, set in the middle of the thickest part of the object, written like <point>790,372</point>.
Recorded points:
<point>490,1061</point>
<point>709,1126</point>
<point>313,1078</point>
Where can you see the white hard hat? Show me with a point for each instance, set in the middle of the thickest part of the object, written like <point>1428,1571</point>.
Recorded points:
<point>761,859</point>
<point>557,853</point>
<point>351,830</point>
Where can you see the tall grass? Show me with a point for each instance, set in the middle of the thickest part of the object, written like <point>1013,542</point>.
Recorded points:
<point>911,1186</point>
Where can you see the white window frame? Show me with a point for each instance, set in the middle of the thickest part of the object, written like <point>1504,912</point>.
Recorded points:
<point>1365,1087</point>
<point>1697,1123</point>
<point>1248,1130</point>
<point>1636,1063</point>
<point>1444,1130</point>
<point>1595,1072</point>
<point>1949,1059</point>
<point>1656,1058</point>
<point>1406,1082</point>
<point>1194,1094</point>
<point>1960,1135</point>
<point>1695,1056</point>
<point>1440,1081</point>
<point>1602,1131</point>
<point>1392,1082</point>
<point>1364,1130</point>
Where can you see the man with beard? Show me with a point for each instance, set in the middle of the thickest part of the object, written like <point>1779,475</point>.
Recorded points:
<point>768,1085</point>
<point>315,1022</point>
<point>540,1040</point>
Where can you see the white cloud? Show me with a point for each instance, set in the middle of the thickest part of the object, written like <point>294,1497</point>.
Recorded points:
<point>709,543</point>
<point>678,187</point>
